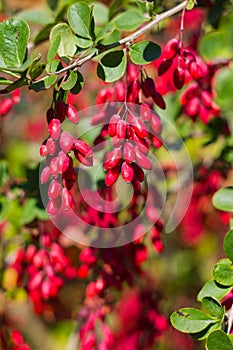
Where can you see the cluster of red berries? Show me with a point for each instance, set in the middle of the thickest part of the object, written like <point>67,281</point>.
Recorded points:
<point>44,269</point>
<point>7,103</point>
<point>198,99</point>
<point>12,339</point>
<point>59,163</point>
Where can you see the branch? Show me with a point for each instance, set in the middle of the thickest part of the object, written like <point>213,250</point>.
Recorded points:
<point>130,38</point>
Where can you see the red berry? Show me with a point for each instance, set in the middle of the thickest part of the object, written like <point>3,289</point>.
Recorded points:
<point>171,48</point>
<point>51,145</point>
<point>54,128</point>
<point>178,77</point>
<point>120,91</point>
<point>52,207</point>
<point>98,118</point>
<point>43,151</point>
<point>113,158</point>
<point>72,113</point>
<point>66,141</point>
<point>45,175</point>
<point>67,200</point>
<point>16,96</point>
<point>127,172</point>
<point>5,106</point>
<point>61,110</point>
<point>145,112</point>
<point>138,125</point>
<point>129,152</point>
<point>54,189</point>
<point>192,108</point>
<point>158,100</point>
<point>121,129</point>
<point>86,160</point>
<point>112,176</point>
<point>148,87</point>
<point>155,123</point>
<point>164,66</point>
<point>112,127</point>
<point>143,161</point>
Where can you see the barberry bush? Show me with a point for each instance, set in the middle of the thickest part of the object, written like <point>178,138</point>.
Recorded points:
<point>116,175</point>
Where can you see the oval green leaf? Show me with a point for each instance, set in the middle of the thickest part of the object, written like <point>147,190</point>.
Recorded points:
<point>213,307</point>
<point>44,84</point>
<point>144,52</point>
<point>223,272</point>
<point>218,340</point>
<point>223,199</point>
<point>112,66</point>
<point>214,289</point>
<point>14,36</point>
<point>70,82</point>
<point>215,45</point>
<point>228,245</point>
<point>129,20</point>
<point>190,320</point>
<point>67,45</point>
<point>79,18</point>
<point>105,32</point>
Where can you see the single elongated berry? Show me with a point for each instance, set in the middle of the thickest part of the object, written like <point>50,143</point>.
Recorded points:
<point>138,125</point>
<point>164,66</point>
<point>60,108</point>
<point>145,112</point>
<point>67,200</point>
<point>98,118</point>
<point>148,87</point>
<point>141,144</point>
<point>129,152</point>
<point>43,151</point>
<point>45,175</point>
<point>66,141</point>
<point>112,176</point>
<point>54,128</point>
<point>82,147</point>
<point>63,161</point>
<point>171,48</point>
<point>72,113</point>
<point>50,114</point>
<point>103,96</point>
<point>204,114</point>
<point>192,107</point>
<point>155,123</point>
<point>189,57</point>
<point>207,98</point>
<point>112,127</point>
<point>156,141</point>
<point>195,70</point>
<point>5,106</point>
<point>138,172</point>
<point>143,161</point>
<point>16,96</point>
<point>133,92</point>
<point>127,172</point>
<point>54,166</point>
<point>178,77</point>
<point>158,100</point>
<point>51,145</point>
<point>132,71</point>
<point>86,160</point>
<point>52,207</point>
<point>54,189</point>
<point>121,129</point>
<point>113,158</point>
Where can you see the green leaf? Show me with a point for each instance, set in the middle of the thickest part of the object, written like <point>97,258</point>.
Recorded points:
<point>67,46</point>
<point>79,84</point>
<point>79,18</point>
<point>212,288</point>
<point>206,332</point>
<point>100,13</point>
<point>228,245</point>
<point>218,340</point>
<point>223,199</point>
<point>54,66</point>
<point>53,4</point>
<point>37,71</point>
<point>83,43</point>
<point>70,82</point>
<point>224,87</point>
<point>14,35</point>
<point>112,38</point>
<point>216,45</point>
<point>44,84</point>
<point>105,32</point>
<point>53,48</point>
<point>129,20</point>
<point>213,307</point>
<point>190,320</point>
<point>190,5</point>
<point>223,272</point>
<point>112,66</point>
<point>29,211</point>
<point>4,81</point>
<point>4,172</point>
<point>144,52</point>
<point>36,16</point>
